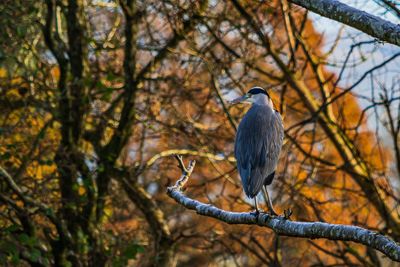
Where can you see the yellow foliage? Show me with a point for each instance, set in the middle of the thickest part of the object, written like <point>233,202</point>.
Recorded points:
<point>81,190</point>
<point>12,94</point>
<point>3,73</point>
<point>19,203</point>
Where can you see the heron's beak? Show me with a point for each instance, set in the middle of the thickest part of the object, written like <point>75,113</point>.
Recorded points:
<point>239,99</point>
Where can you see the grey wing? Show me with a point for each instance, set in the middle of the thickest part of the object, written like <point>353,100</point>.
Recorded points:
<point>257,147</point>
<point>274,147</point>
<point>243,154</point>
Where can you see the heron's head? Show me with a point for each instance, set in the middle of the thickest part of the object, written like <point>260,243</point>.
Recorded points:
<point>255,95</point>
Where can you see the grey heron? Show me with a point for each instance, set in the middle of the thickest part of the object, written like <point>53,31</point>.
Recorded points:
<point>258,144</point>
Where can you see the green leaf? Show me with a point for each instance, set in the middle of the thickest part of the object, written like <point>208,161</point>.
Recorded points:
<point>119,262</point>
<point>140,249</point>
<point>49,212</point>
<point>15,259</point>
<point>130,253</point>
<point>41,134</point>
<point>35,255</point>
<point>111,77</point>
<point>33,241</point>
<point>6,155</point>
<point>132,250</point>
<point>100,168</point>
<point>75,187</point>
<point>11,228</point>
<point>9,247</point>
<point>47,162</point>
<point>23,238</point>
<point>107,94</point>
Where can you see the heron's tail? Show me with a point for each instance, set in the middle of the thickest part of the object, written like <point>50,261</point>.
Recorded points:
<point>253,183</point>
<point>245,177</point>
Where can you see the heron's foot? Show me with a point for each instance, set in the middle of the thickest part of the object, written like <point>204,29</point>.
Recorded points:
<point>287,213</point>
<point>256,212</point>
<point>272,213</point>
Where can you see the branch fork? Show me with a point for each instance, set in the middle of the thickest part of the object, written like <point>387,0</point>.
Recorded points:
<point>186,172</point>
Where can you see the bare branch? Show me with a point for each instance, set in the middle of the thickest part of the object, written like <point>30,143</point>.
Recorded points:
<point>217,88</point>
<point>171,152</point>
<point>285,227</point>
<point>363,21</point>
<point>186,172</point>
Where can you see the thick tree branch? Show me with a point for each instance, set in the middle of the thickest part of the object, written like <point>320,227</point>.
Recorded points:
<point>360,20</point>
<point>111,151</point>
<point>282,226</point>
<point>75,20</point>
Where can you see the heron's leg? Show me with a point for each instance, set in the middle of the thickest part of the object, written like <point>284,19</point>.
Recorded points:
<point>268,201</point>
<point>257,211</point>
<point>256,205</point>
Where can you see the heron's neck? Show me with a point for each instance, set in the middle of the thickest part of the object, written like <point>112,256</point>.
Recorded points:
<point>263,100</point>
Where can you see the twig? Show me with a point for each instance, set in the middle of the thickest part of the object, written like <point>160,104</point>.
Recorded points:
<point>186,172</point>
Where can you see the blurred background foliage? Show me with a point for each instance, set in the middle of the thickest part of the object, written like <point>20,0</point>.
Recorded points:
<point>97,96</point>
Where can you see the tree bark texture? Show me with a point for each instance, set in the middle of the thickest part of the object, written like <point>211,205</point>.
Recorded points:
<point>381,29</point>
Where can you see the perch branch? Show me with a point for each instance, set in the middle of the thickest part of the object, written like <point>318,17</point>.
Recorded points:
<point>381,29</point>
<point>282,226</point>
